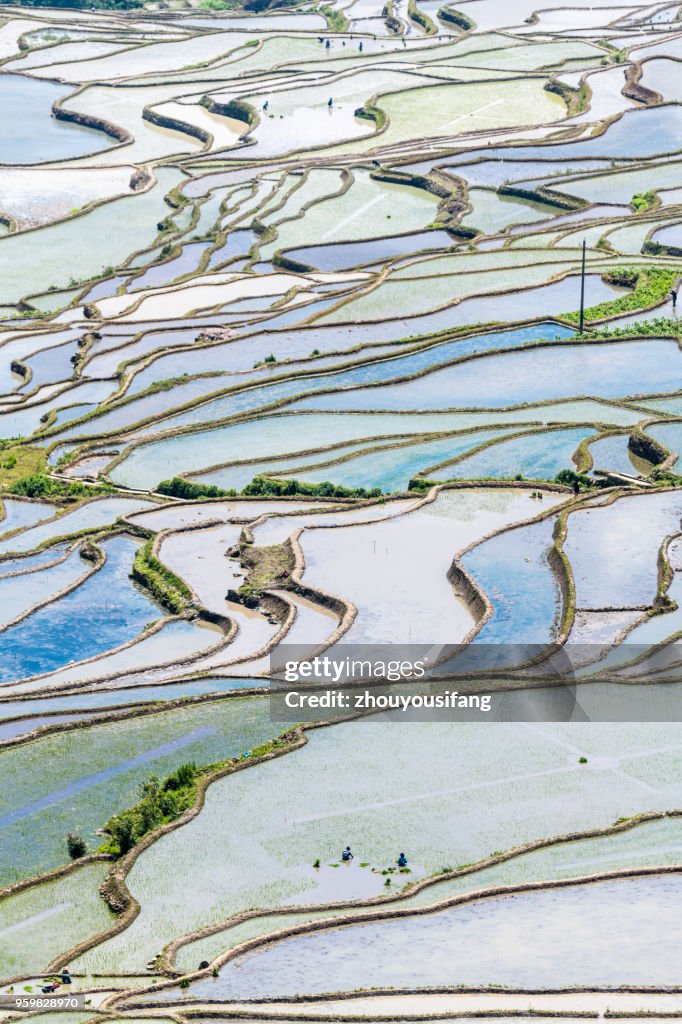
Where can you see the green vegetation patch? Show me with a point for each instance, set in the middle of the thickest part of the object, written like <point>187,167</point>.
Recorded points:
<point>650,286</point>
<point>40,485</point>
<point>642,201</point>
<point>462,21</point>
<point>336,20</point>
<point>262,486</point>
<point>18,462</point>
<point>159,803</point>
<point>168,589</point>
<point>179,488</point>
<point>164,800</point>
<point>659,327</point>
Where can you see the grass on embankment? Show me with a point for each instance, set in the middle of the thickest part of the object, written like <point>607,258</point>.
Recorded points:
<point>168,589</point>
<point>164,800</point>
<point>17,462</point>
<point>656,327</point>
<point>650,286</point>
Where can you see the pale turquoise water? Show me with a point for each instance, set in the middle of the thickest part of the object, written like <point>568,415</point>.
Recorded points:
<point>615,564</point>
<point>613,453</point>
<point>393,468</point>
<point>669,434</point>
<point>556,938</point>
<point>103,612</point>
<point>368,373</point>
<point>611,371</point>
<point>638,133</point>
<point>671,235</point>
<point>353,254</point>
<point>301,342</point>
<point>513,571</point>
<point>24,513</point>
<point>162,273</point>
<point>536,457</point>
<point>36,136</point>
<point>104,699</point>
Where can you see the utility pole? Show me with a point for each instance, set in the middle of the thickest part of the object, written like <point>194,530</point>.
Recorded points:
<point>582,292</point>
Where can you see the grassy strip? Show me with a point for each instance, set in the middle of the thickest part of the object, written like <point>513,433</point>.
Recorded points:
<point>371,113</point>
<point>237,109</point>
<point>448,14</point>
<point>647,447</point>
<point>418,16</point>
<point>659,327</point>
<point>336,20</point>
<point>575,99</point>
<point>393,24</point>
<point>168,589</point>
<point>544,194</point>
<point>40,485</point>
<point>164,800</point>
<point>650,286</point>
<point>159,803</point>
<point>18,462</point>
<point>564,573</point>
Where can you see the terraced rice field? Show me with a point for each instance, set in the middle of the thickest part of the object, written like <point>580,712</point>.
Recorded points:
<point>292,365</point>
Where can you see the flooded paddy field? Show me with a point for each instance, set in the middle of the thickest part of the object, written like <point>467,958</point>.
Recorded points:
<point>325,330</point>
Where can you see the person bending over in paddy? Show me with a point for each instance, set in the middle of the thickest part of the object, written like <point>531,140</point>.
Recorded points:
<point>347,855</point>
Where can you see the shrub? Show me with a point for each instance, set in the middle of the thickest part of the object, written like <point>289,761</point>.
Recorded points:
<point>623,277</point>
<point>75,844</point>
<point>40,485</point>
<point>261,485</point>
<point>122,831</point>
<point>160,801</point>
<point>578,481</point>
<point>182,776</point>
<point>179,488</point>
<point>642,201</point>
<point>336,20</point>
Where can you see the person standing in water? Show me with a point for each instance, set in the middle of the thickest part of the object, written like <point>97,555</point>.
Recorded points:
<point>347,855</point>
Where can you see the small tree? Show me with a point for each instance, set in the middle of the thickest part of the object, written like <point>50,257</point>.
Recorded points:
<point>75,844</point>
<point>183,775</point>
<point>123,832</point>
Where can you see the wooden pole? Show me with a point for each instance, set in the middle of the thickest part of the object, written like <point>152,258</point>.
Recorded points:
<point>582,292</point>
